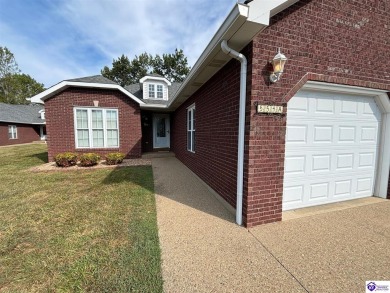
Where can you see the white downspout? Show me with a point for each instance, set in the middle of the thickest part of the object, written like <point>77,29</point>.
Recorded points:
<point>241,127</point>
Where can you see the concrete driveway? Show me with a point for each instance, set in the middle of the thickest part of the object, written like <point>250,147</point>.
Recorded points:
<point>203,250</point>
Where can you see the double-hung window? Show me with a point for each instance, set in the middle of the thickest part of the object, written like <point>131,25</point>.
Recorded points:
<point>160,94</point>
<point>96,128</point>
<point>191,128</point>
<point>151,91</point>
<point>12,132</point>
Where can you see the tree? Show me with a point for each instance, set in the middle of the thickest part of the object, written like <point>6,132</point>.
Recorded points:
<point>14,86</point>
<point>125,72</point>
<point>21,86</point>
<point>174,67</point>
<point>8,67</point>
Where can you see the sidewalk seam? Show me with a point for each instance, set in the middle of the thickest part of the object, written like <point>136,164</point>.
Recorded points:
<point>291,274</point>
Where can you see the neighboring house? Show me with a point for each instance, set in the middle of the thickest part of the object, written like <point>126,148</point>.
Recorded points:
<point>21,123</point>
<point>330,143</point>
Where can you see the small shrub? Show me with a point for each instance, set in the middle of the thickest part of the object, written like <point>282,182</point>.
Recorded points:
<point>89,159</point>
<point>66,159</point>
<point>114,158</point>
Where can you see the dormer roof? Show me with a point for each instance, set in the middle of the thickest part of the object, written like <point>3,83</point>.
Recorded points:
<point>154,77</point>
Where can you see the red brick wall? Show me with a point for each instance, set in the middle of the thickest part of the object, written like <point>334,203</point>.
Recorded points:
<point>60,120</point>
<point>334,41</point>
<point>26,133</point>
<point>215,157</point>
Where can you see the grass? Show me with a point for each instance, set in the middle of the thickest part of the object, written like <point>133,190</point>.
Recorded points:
<point>76,231</point>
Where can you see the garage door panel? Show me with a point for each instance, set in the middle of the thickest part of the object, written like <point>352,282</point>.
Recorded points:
<point>322,134</point>
<point>325,106</point>
<point>368,134</point>
<point>331,148</point>
<point>366,160</point>
<point>299,105</point>
<point>343,188</point>
<point>295,164</point>
<point>344,161</point>
<point>364,185</point>
<point>324,190</point>
<point>297,133</point>
<point>320,163</point>
<point>312,133</point>
<point>304,163</point>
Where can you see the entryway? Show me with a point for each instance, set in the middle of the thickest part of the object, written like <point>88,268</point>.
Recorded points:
<point>161,131</point>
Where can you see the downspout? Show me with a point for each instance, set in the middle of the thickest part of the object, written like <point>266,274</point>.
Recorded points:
<point>241,127</point>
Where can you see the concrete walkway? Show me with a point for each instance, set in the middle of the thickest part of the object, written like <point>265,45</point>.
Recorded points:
<point>203,250</point>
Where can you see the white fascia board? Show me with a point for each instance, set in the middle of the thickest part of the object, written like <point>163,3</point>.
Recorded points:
<point>142,80</point>
<point>21,122</point>
<point>65,84</point>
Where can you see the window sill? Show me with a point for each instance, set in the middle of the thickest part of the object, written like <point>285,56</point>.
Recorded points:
<point>99,148</point>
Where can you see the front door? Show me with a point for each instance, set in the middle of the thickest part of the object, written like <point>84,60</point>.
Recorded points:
<point>161,131</point>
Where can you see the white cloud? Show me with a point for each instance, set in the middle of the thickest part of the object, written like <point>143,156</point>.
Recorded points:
<point>79,37</point>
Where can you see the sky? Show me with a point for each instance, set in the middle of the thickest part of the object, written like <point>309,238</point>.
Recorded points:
<point>54,40</point>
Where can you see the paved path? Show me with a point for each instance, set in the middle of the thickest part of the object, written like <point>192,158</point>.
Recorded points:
<point>203,250</point>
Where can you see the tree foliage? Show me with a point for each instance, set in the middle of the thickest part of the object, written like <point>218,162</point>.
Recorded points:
<point>20,87</point>
<point>15,87</point>
<point>174,67</point>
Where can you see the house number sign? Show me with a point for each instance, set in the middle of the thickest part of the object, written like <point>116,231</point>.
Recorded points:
<point>269,109</point>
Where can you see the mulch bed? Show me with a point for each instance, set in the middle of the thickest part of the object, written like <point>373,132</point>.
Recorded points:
<point>101,165</point>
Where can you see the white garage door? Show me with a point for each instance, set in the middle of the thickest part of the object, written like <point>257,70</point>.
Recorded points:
<point>331,148</point>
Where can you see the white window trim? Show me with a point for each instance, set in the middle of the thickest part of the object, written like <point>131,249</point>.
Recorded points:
<point>90,129</point>
<point>14,132</point>
<point>155,86</point>
<point>190,109</point>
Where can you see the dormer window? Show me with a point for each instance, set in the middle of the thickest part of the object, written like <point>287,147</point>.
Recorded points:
<point>155,87</point>
<point>156,91</point>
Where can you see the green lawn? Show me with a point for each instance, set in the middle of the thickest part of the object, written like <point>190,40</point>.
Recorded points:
<point>76,231</point>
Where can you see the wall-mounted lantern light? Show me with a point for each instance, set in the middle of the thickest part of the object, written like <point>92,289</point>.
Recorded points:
<point>278,64</point>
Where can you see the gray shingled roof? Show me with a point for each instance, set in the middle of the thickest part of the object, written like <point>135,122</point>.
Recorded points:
<point>136,91</point>
<point>27,114</point>
<point>93,79</point>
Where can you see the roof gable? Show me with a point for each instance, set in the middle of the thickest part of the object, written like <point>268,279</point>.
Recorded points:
<point>155,77</point>
<point>96,82</point>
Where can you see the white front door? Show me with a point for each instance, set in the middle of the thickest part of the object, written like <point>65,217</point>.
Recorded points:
<point>331,148</point>
<point>161,131</point>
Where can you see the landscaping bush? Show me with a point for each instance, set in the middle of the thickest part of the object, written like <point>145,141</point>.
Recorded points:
<point>89,159</point>
<point>114,158</point>
<point>66,159</point>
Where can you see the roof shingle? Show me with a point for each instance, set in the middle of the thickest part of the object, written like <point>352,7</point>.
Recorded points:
<point>26,114</point>
<point>93,79</point>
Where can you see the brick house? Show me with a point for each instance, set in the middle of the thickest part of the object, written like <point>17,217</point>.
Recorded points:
<point>21,124</point>
<point>317,133</point>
